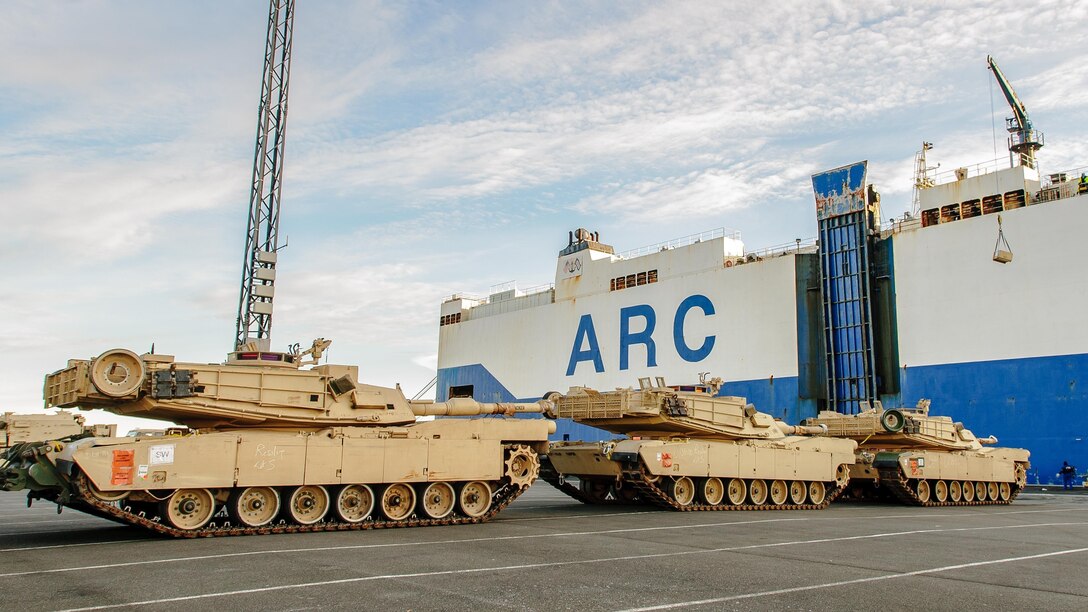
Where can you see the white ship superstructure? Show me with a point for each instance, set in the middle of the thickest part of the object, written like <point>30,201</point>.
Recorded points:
<point>1002,346</point>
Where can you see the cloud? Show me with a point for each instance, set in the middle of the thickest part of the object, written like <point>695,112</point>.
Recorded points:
<point>433,148</point>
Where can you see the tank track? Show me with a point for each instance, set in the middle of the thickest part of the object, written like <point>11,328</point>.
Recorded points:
<point>649,490</point>
<point>119,512</point>
<point>896,482</point>
<point>550,475</point>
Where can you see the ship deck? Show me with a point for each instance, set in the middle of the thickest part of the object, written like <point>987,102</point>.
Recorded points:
<point>549,552</point>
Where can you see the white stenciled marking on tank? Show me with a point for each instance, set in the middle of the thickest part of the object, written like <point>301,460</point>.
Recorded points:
<point>266,456</point>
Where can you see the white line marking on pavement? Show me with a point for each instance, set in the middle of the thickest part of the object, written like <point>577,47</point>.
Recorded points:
<point>4,550</point>
<point>58,570</point>
<point>574,516</point>
<point>812,587</point>
<point>531,566</point>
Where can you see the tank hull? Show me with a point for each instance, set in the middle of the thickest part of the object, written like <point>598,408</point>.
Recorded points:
<point>705,474</point>
<point>254,481</point>
<point>935,477</point>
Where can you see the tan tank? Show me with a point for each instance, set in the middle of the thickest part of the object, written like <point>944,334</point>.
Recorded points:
<point>270,446</point>
<point>926,460</point>
<point>17,428</point>
<point>692,450</point>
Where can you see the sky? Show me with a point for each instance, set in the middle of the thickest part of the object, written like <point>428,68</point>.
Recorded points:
<point>438,148</point>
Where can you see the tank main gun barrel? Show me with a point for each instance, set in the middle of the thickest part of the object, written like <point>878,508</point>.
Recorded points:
<point>802,430</point>
<point>464,406</point>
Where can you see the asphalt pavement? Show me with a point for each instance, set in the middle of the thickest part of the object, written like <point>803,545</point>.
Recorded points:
<point>548,552</point>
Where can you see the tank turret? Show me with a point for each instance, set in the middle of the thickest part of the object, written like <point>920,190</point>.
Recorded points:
<point>661,411</point>
<point>18,428</point>
<point>279,446</point>
<point>925,459</point>
<point>686,448</point>
<point>905,427</point>
<point>253,388</point>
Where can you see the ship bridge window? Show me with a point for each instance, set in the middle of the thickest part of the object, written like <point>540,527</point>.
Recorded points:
<point>460,391</point>
<point>972,208</point>
<point>1014,199</point>
<point>632,280</point>
<point>449,319</point>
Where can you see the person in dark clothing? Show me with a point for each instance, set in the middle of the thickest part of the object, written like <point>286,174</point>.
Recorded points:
<point>1067,472</point>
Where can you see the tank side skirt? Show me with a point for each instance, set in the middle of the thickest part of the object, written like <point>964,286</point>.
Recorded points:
<point>896,481</point>
<point>647,485</point>
<point>117,511</point>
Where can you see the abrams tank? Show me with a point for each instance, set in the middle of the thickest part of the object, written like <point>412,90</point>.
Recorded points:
<point>926,460</point>
<point>692,450</point>
<point>17,428</point>
<point>270,446</point>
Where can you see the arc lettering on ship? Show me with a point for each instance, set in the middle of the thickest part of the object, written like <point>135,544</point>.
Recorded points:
<point>587,347</point>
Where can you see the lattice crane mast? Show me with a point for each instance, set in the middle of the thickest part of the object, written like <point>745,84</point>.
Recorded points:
<point>1024,140</point>
<point>262,235</point>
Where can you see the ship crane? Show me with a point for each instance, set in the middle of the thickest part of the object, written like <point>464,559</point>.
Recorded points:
<point>262,234</point>
<point>1024,140</point>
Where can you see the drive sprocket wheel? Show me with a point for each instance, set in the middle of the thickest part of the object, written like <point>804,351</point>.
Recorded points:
<point>522,466</point>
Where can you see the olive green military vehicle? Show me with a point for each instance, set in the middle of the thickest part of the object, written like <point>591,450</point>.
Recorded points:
<point>270,446</point>
<point>925,460</point>
<point>17,428</point>
<point>692,450</point>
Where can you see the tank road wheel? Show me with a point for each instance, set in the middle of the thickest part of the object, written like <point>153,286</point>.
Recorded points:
<point>106,496</point>
<point>968,492</point>
<point>437,500</point>
<point>992,491</point>
<point>713,491</point>
<point>757,492</point>
<point>817,492</point>
<point>980,491</point>
<point>955,491</point>
<point>398,501</point>
<point>596,490</point>
<point>354,503</point>
<point>940,491</point>
<point>1004,491</point>
<point>683,491</point>
<point>475,498</point>
<point>779,492</point>
<point>308,504</point>
<point>189,509</point>
<point>736,491</point>
<point>522,466</point>
<point>921,489</point>
<point>797,492</point>
<point>253,506</point>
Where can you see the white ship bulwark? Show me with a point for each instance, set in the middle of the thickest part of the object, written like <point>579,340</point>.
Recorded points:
<point>1000,346</point>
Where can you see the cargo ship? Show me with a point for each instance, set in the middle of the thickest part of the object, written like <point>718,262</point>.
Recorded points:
<point>974,302</point>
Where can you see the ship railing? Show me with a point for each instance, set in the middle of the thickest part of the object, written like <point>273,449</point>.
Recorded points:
<point>1054,179</point>
<point>1061,185</point>
<point>520,293</point>
<point>720,232</point>
<point>979,169</point>
<point>797,246</point>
